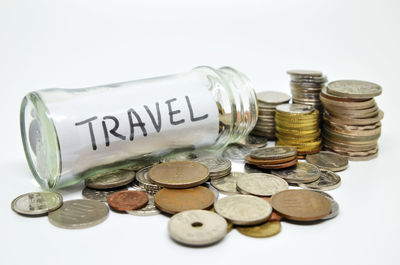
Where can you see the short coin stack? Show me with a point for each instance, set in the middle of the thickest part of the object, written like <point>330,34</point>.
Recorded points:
<point>352,118</point>
<point>267,101</point>
<point>273,157</point>
<point>306,86</point>
<point>298,125</point>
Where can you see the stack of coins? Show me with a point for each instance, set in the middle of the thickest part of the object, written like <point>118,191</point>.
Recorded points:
<point>298,125</point>
<point>306,86</point>
<point>267,101</point>
<point>273,157</point>
<point>352,118</point>
<point>218,167</point>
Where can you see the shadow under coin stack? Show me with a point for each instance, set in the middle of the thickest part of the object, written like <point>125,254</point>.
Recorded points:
<point>267,101</point>
<point>297,125</point>
<point>352,118</point>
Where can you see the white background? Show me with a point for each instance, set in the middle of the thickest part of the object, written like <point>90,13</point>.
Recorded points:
<point>82,43</point>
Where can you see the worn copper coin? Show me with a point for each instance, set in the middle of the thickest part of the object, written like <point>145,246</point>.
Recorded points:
<point>127,200</point>
<point>173,201</point>
<point>267,229</point>
<point>179,174</point>
<point>301,205</point>
<point>328,160</point>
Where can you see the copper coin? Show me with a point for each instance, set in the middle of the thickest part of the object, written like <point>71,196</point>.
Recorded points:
<point>301,205</point>
<point>278,166</point>
<point>173,201</point>
<point>127,200</point>
<point>274,215</point>
<point>179,174</point>
<point>253,161</point>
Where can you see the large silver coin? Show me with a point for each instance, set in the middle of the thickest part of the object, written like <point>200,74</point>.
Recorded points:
<point>354,89</point>
<point>335,206</point>
<point>217,166</point>
<point>243,209</point>
<point>77,214</point>
<point>114,179</point>
<point>273,97</point>
<point>148,210</point>
<point>295,108</point>
<point>37,203</point>
<point>197,227</point>
<point>100,195</point>
<point>261,184</point>
<point>252,141</point>
<point>142,176</point>
<point>236,152</point>
<point>327,181</point>
<point>301,173</point>
<point>227,184</point>
<point>274,152</point>
<point>328,160</point>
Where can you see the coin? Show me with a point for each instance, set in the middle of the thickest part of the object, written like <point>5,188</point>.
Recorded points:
<point>267,229</point>
<point>177,200</point>
<point>274,215</point>
<point>275,152</point>
<point>127,200</point>
<point>279,166</point>
<point>148,210</point>
<point>301,173</point>
<point>301,205</point>
<point>214,190</point>
<point>273,97</point>
<point>179,174</point>
<point>236,152</point>
<point>217,166</point>
<point>328,160</point>
<point>197,227</point>
<point>186,155</point>
<point>294,108</point>
<point>335,205</point>
<point>261,184</point>
<point>100,195</point>
<point>142,176</point>
<point>37,203</point>
<point>254,161</point>
<point>354,89</point>
<point>252,141</point>
<point>327,181</point>
<point>248,168</point>
<point>76,214</point>
<point>304,72</point>
<point>227,184</point>
<point>110,180</point>
<point>243,209</point>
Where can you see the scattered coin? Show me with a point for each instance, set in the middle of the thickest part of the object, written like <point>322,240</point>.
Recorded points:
<point>328,160</point>
<point>37,203</point>
<point>142,176</point>
<point>127,200</point>
<point>218,167</point>
<point>149,209</point>
<point>197,227</point>
<point>243,209</point>
<point>301,173</point>
<point>267,229</point>
<point>76,214</point>
<point>100,195</point>
<point>227,184</point>
<point>110,180</point>
<point>261,184</point>
<point>179,174</point>
<point>236,152</point>
<point>301,205</point>
<point>354,89</point>
<point>327,181</point>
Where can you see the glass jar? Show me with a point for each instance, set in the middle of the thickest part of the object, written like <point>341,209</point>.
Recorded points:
<point>71,134</point>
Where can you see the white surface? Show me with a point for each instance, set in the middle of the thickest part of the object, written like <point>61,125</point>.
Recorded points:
<point>82,43</point>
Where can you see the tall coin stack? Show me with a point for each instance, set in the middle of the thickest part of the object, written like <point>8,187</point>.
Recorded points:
<point>306,86</point>
<point>352,118</point>
<point>298,125</point>
<point>267,101</point>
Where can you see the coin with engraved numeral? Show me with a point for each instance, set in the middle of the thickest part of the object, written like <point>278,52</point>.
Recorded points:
<point>37,203</point>
<point>328,160</point>
<point>110,180</point>
<point>261,184</point>
<point>76,214</point>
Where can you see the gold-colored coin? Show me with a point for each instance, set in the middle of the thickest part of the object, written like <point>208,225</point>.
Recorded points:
<point>266,229</point>
<point>296,132</point>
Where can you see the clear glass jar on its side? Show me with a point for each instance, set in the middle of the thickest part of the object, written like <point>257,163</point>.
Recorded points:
<point>71,134</point>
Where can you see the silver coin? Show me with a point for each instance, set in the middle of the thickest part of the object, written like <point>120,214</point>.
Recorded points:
<point>37,203</point>
<point>227,184</point>
<point>243,209</point>
<point>327,181</point>
<point>110,180</point>
<point>236,152</point>
<point>187,155</point>
<point>273,97</point>
<point>142,176</point>
<point>274,152</point>
<point>304,72</point>
<point>77,214</point>
<point>301,173</point>
<point>335,205</point>
<point>295,108</point>
<point>260,184</point>
<point>252,141</point>
<point>354,89</point>
<point>215,165</point>
<point>328,160</point>
<point>253,169</point>
<point>148,210</point>
<point>197,227</point>
<point>100,195</point>
<point>135,185</point>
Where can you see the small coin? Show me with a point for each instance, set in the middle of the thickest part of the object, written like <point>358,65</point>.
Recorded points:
<point>227,184</point>
<point>252,141</point>
<point>110,180</point>
<point>76,214</point>
<point>273,97</point>
<point>37,203</point>
<point>301,205</point>
<point>236,152</point>
<point>261,184</point>
<point>173,201</point>
<point>328,160</point>
<point>217,166</point>
<point>335,205</point>
<point>243,209</point>
<point>300,72</point>
<point>354,89</point>
<point>301,173</point>
<point>100,195</point>
<point>179,174</point>
<point>267,229</point>
<point>148,210</point>
<point>295,108</point>
<point>197,227</point>
<point>327,181</point>
<point>127,200</point>
<point>275,152</point>
<point>142,176</point>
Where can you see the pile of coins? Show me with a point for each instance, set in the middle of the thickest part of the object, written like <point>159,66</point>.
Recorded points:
<point>306,86</point>
<point>267,101</point>
<point>352,118</point>
<point>298,125</point>
<point>273,157</point>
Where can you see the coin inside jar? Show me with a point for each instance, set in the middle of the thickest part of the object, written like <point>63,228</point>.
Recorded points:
<point>110,180</point>
<point>127,200</point>
<point>37,203</point>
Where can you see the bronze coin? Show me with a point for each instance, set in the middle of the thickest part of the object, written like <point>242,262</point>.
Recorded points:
<point>253,161</point>
<point>179,174</point>
<point>278,166</point>
<point>274,215</point>
<point>301,205</point>
<point>173,201</point>
<point>127,200</point>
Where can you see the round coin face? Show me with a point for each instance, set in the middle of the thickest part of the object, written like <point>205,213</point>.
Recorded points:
<point>328,160</point>
<point>266,229</point>
<point>354,88</point>
<point>76,214</point>
<point>327,181</point>
<point>197,227</point>
<point>127,200</point>
<point>300,173</point>
<point>243,209</point>
<point>149,209</point>
<point>179,174</point>
<point>37,203</point>
<point>301,205</point>
<point>273,97</point>
<point>110,180</point>
<point>275,152</point>
<point>304,72</point>
<point>227,184</point>
<point>295,108</point>
<point>261,184</point>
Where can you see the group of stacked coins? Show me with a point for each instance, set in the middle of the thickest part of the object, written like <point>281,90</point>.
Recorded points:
<point>298,125</point>
<point>306,86</point>
<point>267,101</point>
<point>352,118</point>
<point>273,157</point>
